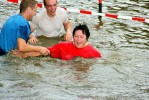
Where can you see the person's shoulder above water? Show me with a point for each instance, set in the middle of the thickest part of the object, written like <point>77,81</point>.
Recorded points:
<point>61,12</point>
<point>93,51</point>
<point>18,18</point>
<point>40,15</point>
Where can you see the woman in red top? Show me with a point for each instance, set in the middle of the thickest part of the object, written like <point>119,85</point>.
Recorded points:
<point>69,50</point>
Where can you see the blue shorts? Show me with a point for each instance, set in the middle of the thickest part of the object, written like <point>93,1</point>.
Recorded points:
<point>2,52</point>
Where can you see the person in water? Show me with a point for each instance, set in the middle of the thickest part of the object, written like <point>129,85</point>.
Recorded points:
<point>15,32</point>
<point>76,48</point>
<point>49,22</point>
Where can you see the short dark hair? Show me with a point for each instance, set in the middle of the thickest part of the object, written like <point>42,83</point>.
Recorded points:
<point>83,28</point>
<point>27,3</point>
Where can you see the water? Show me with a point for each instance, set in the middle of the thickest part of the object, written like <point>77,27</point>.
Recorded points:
<point>121,74</point>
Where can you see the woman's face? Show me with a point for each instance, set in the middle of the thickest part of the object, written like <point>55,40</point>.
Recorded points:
<point>79,39</point>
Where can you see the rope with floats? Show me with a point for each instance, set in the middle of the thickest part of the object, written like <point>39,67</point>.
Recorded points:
<point>110,15</point>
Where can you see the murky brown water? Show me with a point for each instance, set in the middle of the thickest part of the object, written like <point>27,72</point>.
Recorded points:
<point>121,74</point>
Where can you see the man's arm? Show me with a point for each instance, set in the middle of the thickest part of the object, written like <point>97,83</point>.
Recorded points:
<point>67,27</point>
<point>32,38</point>
<point>32,54</point>
<point>25,48</point>
<point>25,55</point>
<point>32,29</point>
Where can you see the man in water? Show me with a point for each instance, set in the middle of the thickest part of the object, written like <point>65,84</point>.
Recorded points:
<point>49,22</point>
<point>16,31</point>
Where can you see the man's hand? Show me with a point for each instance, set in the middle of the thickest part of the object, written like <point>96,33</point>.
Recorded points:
<point>44,51</point>
<point>33,40</point>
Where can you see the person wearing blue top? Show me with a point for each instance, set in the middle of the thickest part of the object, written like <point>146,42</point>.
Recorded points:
<point>16,31</point>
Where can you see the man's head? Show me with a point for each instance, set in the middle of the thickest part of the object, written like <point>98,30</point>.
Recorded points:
<point>50,6</point>
<point>28,6</point>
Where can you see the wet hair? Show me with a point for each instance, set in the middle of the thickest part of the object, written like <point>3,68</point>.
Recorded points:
<point>44,2</point>
<point>27,3</point>
<point>83,28</point>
